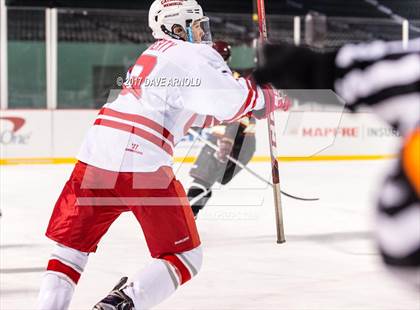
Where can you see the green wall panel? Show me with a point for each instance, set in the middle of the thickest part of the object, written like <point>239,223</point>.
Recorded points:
<point>26,74</point>
<point>76,62</point>
<point>242,57</point>
<point>83,68</point>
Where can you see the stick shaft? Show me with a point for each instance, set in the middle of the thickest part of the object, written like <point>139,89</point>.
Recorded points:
<point>245,167</point>
<point>197,198</point>
<point>262,23</point>
<point>233,160</point>
<point>279,214</point>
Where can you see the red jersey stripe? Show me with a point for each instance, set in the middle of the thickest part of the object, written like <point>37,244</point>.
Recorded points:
<point>209,121</point>
<point>138,132</point>
<point>246,104</point>
<point>254,87</point>
<point>57,266</point>
<point>188,125</point>
<point>139,120</point>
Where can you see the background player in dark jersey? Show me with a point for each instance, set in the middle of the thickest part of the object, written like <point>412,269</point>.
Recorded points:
<point>234,139</point>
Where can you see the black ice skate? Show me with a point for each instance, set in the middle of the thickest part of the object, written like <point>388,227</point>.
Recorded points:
<point>116,299</point>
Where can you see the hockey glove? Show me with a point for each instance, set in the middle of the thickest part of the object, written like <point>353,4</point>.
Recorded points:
<point>274,99</point>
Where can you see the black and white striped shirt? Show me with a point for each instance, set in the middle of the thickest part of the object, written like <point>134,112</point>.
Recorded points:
<point>386,77</point>
<point>382,75</point>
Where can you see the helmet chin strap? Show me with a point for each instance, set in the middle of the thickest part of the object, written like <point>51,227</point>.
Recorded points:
<point>171,34</point>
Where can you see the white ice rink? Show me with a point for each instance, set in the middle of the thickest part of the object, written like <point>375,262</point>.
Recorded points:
<point>328,262</point>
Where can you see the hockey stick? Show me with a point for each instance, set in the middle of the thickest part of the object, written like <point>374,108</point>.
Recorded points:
<point>200,196</point>
<point>244,167</point>
<point>262,26</point>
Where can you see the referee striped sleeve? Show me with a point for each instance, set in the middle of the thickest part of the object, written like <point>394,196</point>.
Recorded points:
<point>373,73</point>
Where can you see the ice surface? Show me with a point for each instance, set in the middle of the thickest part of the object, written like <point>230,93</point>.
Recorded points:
<point>328,262</point>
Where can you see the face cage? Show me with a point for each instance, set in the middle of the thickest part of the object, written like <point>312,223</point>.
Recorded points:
<point>205,26</point>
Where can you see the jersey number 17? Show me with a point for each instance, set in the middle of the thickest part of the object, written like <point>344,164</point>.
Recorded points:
<point>138,74</point>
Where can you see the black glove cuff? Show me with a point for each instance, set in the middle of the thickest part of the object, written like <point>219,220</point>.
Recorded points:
<point>323,75</point>
<point>291,67</point>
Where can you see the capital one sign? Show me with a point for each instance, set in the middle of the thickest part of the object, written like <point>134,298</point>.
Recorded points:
<point>11,132</point>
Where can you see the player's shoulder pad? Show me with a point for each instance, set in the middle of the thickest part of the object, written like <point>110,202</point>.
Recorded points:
<point>212,57</point>
<point>196,51</point>
<point>180,49</point>
<point>190,54</point>
<point>209,52</point>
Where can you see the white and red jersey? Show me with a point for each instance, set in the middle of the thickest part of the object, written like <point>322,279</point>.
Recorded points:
<point>173,86</point>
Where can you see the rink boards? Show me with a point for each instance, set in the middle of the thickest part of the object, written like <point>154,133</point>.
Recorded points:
<point>54,136</point>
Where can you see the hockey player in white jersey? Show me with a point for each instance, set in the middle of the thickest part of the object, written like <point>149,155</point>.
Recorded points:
<point>125,162</point>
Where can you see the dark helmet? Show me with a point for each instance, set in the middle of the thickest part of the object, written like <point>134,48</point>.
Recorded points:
<point>223,48</point>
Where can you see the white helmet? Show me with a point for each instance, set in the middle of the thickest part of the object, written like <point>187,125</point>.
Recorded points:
<point>164,14</point>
